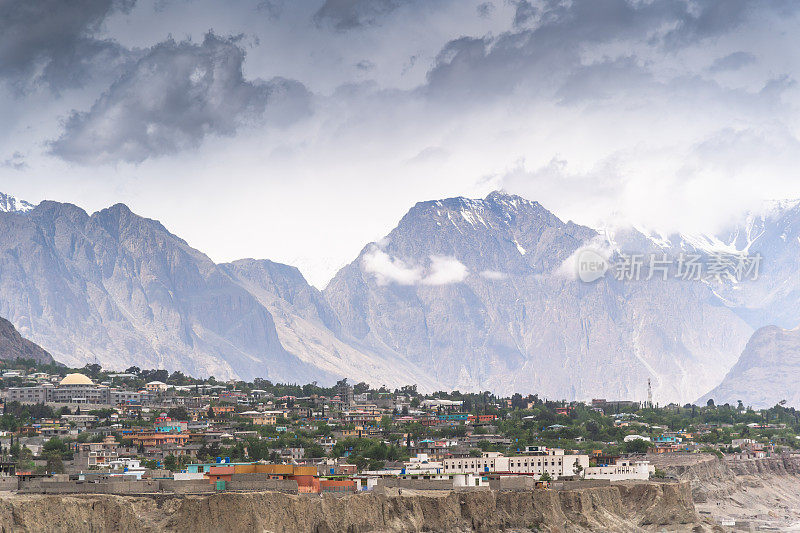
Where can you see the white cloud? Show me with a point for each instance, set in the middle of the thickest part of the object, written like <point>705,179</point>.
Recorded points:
<point>442,270</point>
<point>494,275</point>
<point>569,267</point>
<point>445,270</point>
<point>389,269</point>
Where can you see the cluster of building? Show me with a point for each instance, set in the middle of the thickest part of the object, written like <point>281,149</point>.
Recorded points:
<point>81,390</point>
<point>135,437</point>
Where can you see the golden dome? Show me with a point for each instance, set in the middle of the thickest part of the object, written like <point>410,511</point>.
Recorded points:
<point>76,379</point>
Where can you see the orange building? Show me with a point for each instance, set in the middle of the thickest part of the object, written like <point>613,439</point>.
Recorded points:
<point>337,485</point>
<point>306,476</point>
<point>481,418</point>
<point>220,473</point>
<point>222,409</point>
<point>157,439</point>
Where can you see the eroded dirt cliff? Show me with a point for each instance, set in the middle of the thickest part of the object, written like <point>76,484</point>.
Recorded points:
<point>753,492</point>
<point>624,507</point>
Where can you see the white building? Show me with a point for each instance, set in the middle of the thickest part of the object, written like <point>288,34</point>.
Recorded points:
<point>624,469</point>
<point>156,386</point>
<point>552,461</point>
<point>469,480</point>
<point>436,402</point>
<point>123,463</point>
<point>422,465</point>
<point>629,438</point>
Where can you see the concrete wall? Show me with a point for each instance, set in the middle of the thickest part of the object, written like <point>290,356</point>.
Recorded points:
<point>281,485</point>
<point>46,486</point>
<point>187,476</point>
<point>252,477</point>
<point>132,487</point>
<point>513,483</point>
<point>85,407</point>
<point>192,486</point>
<point>416,484</point>
<point>580,484</point>
<point>247,482</point>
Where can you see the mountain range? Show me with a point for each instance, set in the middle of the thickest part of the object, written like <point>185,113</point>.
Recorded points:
<point>470,294</point>
<point>766,373</point>
<point>15,346</point>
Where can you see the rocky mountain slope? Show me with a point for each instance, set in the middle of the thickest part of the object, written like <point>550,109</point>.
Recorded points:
<point>479,295</point>
<point>774,297</point>
<point>15,346</point>
<point>766,373</point>
<point>120,288</point>
<point>307,326</point>
<point>771,293</point>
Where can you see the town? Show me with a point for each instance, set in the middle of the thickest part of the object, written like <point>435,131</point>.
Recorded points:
<point>145,431</point>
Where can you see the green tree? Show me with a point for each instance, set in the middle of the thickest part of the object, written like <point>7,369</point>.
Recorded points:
<point>54,463</point>
<point>314,451</point>
<point>178,413</point>
<point>386,425</point>
<point>93,370</point>
<point>577,467</point>
<point>636,446</point>
<point>170,463</point>
<point>55,446</point>
<point>518,402</point>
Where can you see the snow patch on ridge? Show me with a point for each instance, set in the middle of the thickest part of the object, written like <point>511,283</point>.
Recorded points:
<point>9,204</point>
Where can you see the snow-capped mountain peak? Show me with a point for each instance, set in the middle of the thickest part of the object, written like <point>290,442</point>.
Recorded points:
<point>9,204</point>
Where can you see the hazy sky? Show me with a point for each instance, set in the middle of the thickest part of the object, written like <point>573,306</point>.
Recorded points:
<point>301,130</point>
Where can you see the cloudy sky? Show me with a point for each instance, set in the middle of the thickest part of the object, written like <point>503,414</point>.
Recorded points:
<point>300,130</point>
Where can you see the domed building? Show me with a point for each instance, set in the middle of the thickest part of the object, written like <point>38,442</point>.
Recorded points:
<point>73,380</point>
<point>78,388</point>
<point>74,388</point>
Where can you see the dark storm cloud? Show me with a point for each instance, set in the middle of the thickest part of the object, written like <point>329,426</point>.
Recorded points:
<point>348,14</point>
<point>51,41</point>
<point>273,8</point>
<point>524,13</point>
<point>539,58</point>
<point>174,96</point>
<point>486,9</point>
<point>365,65</point>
